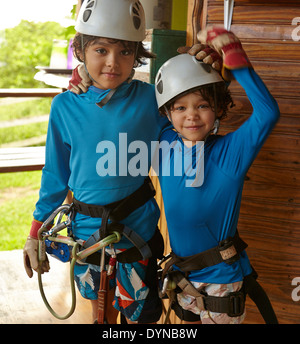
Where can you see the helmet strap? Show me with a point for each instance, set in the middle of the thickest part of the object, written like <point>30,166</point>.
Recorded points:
<point>217,121</point>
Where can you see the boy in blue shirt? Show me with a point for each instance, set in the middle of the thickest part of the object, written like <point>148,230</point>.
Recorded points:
<point>202,210</point>
<point>109,43</point>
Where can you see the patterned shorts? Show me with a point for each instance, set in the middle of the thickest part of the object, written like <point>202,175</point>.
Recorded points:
<point>188,303</point>
<point>136,290</point>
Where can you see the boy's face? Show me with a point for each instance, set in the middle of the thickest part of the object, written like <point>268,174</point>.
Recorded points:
<point>109,64</point>
<point>192,117</point>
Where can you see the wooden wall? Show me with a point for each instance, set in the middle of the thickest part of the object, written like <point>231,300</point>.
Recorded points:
<point>270,212</point>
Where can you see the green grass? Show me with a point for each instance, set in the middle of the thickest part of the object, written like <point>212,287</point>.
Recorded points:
<point>19,193</point>
<point>26,109</point>
<point>22,132</point>
<point>19,190</point>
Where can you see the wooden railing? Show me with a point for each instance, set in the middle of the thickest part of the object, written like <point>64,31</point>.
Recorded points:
<point>24,158</point>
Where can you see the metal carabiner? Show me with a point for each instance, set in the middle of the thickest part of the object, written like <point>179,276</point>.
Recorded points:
<point>65,209</point>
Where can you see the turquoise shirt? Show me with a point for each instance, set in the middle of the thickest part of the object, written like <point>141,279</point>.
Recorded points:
<point>199,217</point>
<point>90,151</point>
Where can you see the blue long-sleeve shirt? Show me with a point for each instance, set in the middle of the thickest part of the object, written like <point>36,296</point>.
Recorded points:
<point>89,151</point>
<point>198,218</point>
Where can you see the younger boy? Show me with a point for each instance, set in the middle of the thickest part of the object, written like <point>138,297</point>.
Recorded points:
<point>202,217</point>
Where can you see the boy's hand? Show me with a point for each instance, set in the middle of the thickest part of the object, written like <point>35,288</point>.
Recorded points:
<point>80,81</point>
<point>229,46</point>
<point>204,53</point>
<point>30,257</point>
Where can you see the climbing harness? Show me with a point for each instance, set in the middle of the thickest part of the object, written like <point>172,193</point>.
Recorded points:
<point>52,243</point>
<point>115,212</point>
<point>67,249</point>
<point>174,281</point>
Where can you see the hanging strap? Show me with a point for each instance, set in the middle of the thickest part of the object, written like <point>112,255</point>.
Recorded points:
<point>228,12</point>
<point>260,298</point>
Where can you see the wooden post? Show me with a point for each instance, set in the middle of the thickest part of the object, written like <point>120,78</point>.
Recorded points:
<point>197,10</point>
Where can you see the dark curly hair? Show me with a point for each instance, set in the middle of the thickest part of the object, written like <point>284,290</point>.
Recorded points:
<point>141,52</point>
<point>223,98</point>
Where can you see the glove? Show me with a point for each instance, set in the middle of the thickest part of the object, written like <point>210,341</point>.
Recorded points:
<point>30,251</point>
<point>80,80</point>
<point>30,257</point>
<point>228,46</point>
<point>204,53</point>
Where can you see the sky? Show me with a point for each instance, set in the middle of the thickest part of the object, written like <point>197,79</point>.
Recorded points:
<point>13,11</point>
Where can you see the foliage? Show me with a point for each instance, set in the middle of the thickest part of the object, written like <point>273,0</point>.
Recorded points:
<point>30,107</point>
<point>22,132</point>
<point>26,46</point>
<point>19,193</point>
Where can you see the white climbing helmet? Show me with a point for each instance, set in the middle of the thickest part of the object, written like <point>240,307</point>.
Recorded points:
<point>117,19</point>
<point>180,74</point>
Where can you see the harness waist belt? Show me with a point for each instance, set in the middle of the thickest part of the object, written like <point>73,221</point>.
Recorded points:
<point>119,210</point>
<point>227,251</point>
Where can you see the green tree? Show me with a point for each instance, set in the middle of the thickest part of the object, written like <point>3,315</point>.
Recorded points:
<point>26,46</point>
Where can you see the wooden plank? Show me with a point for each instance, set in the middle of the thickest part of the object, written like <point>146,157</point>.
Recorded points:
<point>21,159</point>
<point>271,51</point>
<point>29,92</point>
<point>254,14</point>
<point>263,32</point>
<point>269,210</point>
<point>282,142</point>
<point>284,3</point>
<point>271,192</point>
<point>284,71</point>
<point>287,125</point>
<point>277,89</point>
<point>263,229</point>
<point>275,176</point>
<point>277,159</point>
<point>287,107</point>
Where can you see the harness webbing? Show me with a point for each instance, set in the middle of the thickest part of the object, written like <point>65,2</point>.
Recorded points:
<point>227,251</point>
<point>116,212</point>
<point>119,210</point>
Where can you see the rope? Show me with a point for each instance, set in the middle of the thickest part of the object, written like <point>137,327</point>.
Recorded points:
<point>110,239</point>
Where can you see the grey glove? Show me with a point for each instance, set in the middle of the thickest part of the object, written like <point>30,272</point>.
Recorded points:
<point>30,257</point>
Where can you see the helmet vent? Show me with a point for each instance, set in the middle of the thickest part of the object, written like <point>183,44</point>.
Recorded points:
<point>86,15</point>
<point>90,4</point>
<point>159,84</point>
<point>136,15</point>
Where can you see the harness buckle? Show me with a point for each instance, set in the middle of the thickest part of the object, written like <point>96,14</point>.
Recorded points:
<point>236,304</point>
<point>228,251</point>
